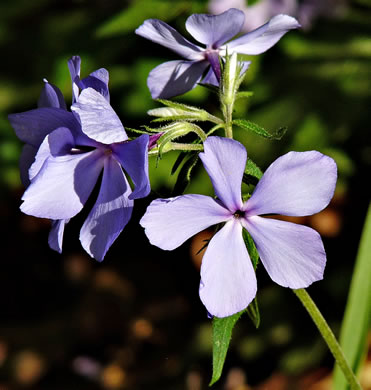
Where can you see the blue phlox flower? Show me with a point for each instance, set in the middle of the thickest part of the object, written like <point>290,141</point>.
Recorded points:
<point>177,77</point>
<point>65,155</point>
<point>296,184</point>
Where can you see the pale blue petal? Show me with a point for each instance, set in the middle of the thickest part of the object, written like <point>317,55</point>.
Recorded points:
<point>296,184</point>
<point>62,186</point>
<point>170,222</point>
<point>157,31</point>
<point>133,156</point>
<point>98,120</point>
<point>224,160</point>
<point>228,282</point>
<point>210,78</point>
<point>175,78</point>
<point>264,37</point>
<point>214,30</point>
<point>292,254</point>
<point>110,214</point>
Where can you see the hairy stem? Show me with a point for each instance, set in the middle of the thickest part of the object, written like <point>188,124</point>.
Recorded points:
<point>329,337</point>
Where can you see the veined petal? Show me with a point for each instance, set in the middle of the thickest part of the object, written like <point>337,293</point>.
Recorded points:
<point>74,64</point>
<point>110,214</point>
<point>214,30</point>
<point>55,239</point>
<point>264,37</point>
<point>31,127</point>
<point>157,31</point>
<point>51,96</point>
<point>170,222</point>
<point>98,120</point>
<point>62,186</point>
<point>228,281</point>
<point>296,184</point>
<point>224,160</point>
<point>292,254</point>
<point>175,78</point>
<point>133,156</point>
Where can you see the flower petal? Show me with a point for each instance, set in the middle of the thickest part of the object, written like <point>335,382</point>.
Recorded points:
<point>51,96</point>
<point>31,127</point>
<point>224,160</point>
<point>175,78</point>
<point>133,156</point>
<point>97,80</point>
<point>263,38</point>
<point>98,120</point>
<point>210,78</point>
<point>55,239</point>
<point>228,281</point>
<point>292,254</point>
<point>170,222</point>
<point>214,30</point>
<point>62,186</point>
<point>296,184</point>
<point>26,160</point>
<point>110,214</point>
<point>74,64</point>
<point>157,31</point>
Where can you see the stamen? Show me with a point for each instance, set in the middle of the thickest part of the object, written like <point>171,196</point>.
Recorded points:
<point>238,214</point>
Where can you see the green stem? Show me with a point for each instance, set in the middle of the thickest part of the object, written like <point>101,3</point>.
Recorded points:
<point>329,337</point>
<point>185,147</point>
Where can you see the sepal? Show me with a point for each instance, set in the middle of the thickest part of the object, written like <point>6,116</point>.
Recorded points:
<point>251,126</point>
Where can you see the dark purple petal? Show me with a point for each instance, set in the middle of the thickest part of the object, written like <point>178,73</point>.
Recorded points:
<point>292,254</point>
<point>175,78</point>
<point>55,239</point>
<point>297,184</point>
<point>228,282</point>
<point>74,65</point>
<point>210,78</point>
<point>153,140</point>
<point>213,58</point>
<point>33,126</point>
<point>224,160</point>
<point>133,156</point>
<point>157,31</point>
<point>51,96</point>
<point>264,37</point>
<point>26,159</point>
<point>214,30</point>
<point>110,214</point>
<point>62,186</point>
<point>98,120</point>
<point>97,80</point>
<point>170,222</point>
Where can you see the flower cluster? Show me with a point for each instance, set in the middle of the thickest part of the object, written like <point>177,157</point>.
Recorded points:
<point>65,154</point>
<point>69,153</point>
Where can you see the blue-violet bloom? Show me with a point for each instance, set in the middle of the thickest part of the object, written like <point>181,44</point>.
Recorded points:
<point>64,156</point>
<point>177,77</point>
<point>296,184</point>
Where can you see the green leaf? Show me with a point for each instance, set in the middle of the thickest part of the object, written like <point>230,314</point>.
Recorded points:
<point>247,125</point>
<point>184,176</point>
<point>252,173</point>
<point>139,131</point>
<point>222,334</point>
<point>356,322</point>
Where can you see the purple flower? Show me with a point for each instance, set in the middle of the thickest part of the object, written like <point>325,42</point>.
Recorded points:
<point>177,77</point>
<point>296,184</point>
<point>72,150</point>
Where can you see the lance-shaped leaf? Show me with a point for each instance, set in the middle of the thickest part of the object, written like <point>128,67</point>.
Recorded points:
<point>251,126</point>
<point>222,334</point>
<point>244,94</point>
<point>252,173</point>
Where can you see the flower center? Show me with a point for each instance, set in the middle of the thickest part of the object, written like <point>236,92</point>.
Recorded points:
<point>238,214</point>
